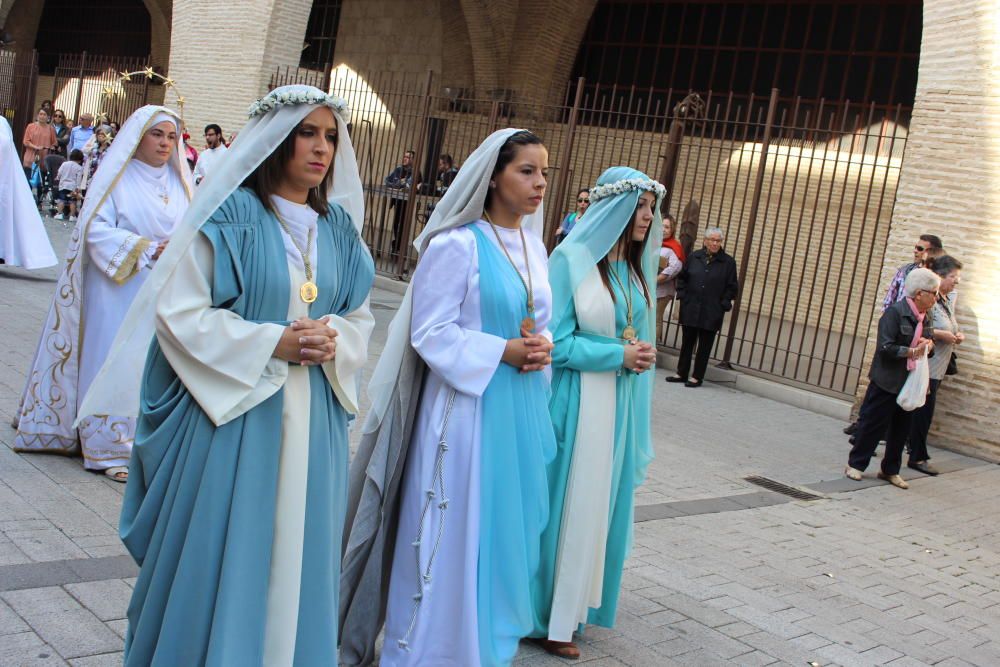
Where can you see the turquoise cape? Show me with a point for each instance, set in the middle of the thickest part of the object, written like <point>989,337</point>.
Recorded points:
<point>198,513</point>
<point>591,239</point>
<point>517,442</point>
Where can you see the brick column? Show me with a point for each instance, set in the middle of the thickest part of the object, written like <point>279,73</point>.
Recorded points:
<point>950,186</point>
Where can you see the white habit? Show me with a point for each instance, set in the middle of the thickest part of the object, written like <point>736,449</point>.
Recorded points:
<point>23,239</point>
<point>446,331</point>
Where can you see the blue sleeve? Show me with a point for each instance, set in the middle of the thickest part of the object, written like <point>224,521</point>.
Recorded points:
<point>583,354</point>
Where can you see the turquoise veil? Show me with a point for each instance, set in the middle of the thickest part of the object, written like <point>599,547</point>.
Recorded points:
<point>612,205</point>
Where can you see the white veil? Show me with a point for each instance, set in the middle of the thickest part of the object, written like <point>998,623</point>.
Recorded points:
<point>461,204</point>
<point>278,114</point>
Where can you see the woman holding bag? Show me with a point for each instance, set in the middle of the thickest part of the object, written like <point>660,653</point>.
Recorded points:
<point>904,342</point>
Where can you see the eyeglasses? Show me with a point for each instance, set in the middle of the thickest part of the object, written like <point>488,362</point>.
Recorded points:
<point>920,248</point>
<point>582,201</point>
<point>935,293</point>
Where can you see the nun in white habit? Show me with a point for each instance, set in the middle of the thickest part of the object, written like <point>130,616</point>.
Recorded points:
<point>23,240</point>
<point>132,206</point>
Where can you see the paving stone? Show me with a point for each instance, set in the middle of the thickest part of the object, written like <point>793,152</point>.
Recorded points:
<point>26,648</point>
<point>103,660</point>
<point>119,627</point>
<point>107,600</point>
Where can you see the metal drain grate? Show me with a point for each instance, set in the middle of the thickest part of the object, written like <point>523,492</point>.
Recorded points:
<point>784,489</point>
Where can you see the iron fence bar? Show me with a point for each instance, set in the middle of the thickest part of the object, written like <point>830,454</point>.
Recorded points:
<point>411,200</point>
<point>565,159</point>
<point>79,85</point>
<point>751,225</point>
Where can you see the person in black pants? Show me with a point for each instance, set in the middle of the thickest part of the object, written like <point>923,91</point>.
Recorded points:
<point>904,335</point>
<point>706,287</point>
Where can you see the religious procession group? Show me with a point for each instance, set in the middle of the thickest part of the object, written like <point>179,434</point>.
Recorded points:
<point>208,348</point>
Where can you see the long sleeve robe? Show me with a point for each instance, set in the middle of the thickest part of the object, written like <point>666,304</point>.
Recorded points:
<point>235,505</point>
<point>447,332</point>
<point>603,437</point>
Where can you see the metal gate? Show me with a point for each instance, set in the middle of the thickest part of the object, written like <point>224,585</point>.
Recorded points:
<point>18,80</point>
<point>802,188</point>
<point>91,83</point>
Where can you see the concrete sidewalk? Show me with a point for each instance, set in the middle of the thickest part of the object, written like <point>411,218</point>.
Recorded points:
<point>723,570</point>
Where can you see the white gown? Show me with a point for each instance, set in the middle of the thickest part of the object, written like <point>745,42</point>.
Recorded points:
<point>23,239</point>
<point>142,210</point>
<point>234,371</point>
<point>446,332</point>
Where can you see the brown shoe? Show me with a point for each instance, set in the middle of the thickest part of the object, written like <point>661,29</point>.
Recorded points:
<point>895,480</point>
<point>852,473</point>
<point>567,650</point>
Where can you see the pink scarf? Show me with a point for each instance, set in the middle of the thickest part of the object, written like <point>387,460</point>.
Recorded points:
<point>918,332</point>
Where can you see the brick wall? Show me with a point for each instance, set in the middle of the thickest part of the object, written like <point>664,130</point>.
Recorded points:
<point>950,185</point>
<point>222,59</point>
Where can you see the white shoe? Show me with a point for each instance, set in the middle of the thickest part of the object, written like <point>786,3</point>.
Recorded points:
<point>852,473</point>
<point>72,218</point>
<point>58,216</point>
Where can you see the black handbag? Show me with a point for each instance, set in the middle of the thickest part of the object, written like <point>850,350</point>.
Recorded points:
<point>952,365</point>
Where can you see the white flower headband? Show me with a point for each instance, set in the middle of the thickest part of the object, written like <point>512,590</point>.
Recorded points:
<point>625,185</point>
<point>277,98</point>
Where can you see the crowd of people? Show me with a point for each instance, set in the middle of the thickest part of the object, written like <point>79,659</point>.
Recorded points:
<point>259,541</point>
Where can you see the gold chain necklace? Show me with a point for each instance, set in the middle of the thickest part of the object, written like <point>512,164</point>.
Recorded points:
<point>308,291</point>
<point>629,332</point>
<point>528,323</point>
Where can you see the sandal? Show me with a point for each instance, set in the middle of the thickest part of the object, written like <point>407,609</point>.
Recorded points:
<point>567,650</point>
<point>117,473</point>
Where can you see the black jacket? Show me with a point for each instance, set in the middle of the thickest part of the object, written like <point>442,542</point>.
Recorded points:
<point>895,336</point>
<point>706,289</point>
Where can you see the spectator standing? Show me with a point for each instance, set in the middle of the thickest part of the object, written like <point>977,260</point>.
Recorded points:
<point>920,248</point>
<point>671,263</point>
<point>582,202</point>
<point>39,139</point>
<point>68,180</point>
<point>447,171</point>
<point>706,287</point>
<point>82,133</point>
<point>94,152</point>
<point>904,336</point>
<point>47,105</point>
<point>62,131</point>
<point>189,151</point>
<point>400,178</point>
<point>215,147</point>
<point>946,336</point>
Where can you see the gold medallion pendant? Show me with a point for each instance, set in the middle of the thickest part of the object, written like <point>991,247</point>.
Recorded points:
<point>629,333</point>
<point>528,324</point>
<point>308,291</point>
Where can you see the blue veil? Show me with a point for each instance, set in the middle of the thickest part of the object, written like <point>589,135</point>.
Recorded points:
<point>613,203</point>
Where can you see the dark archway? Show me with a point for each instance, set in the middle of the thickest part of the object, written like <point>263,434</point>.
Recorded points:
<point>105,27</point>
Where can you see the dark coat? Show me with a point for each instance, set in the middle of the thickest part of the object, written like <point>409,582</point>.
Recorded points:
<point>895,335</point>
<point>706,289</point>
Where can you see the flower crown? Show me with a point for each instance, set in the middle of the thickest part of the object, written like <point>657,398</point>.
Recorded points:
<point>279,98</point>
<point>625,185</point>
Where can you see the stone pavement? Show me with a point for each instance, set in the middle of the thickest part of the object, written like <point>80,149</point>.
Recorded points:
<point>722,572</point>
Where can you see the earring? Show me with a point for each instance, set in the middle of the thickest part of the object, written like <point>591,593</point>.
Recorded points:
<point>493,184</point>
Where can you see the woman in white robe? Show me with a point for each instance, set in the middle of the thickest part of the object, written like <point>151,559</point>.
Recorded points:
<point>455,597</point>
<point>130,211</point>
<point>23,239</point>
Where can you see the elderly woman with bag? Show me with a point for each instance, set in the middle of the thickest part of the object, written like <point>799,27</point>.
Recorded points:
<point>905,339</point>
<point>946,336</point>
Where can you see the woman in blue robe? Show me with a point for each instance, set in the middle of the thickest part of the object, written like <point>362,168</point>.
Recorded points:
<point>235,503</point>
<point>603,299</point>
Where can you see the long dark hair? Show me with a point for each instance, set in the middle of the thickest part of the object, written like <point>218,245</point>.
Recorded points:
<point>265,179</point>
<point>508,151</point>
<point>632,251</point>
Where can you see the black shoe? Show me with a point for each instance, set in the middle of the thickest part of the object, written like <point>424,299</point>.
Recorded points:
<point>693,383</point>
<point>924,467</point>
<point>851,440</point>
<point>676,378</point>
<point>851,428</point>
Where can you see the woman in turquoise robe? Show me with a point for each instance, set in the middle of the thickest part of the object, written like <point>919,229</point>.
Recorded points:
<point>603,291</point>
<point>235,503</point>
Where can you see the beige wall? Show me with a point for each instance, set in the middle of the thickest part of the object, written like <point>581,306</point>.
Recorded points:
<point>950,186</point>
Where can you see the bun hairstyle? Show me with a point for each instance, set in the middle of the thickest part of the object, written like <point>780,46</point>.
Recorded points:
<point>508,151</point>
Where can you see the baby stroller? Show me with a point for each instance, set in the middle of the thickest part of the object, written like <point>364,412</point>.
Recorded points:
<point>49,189</point>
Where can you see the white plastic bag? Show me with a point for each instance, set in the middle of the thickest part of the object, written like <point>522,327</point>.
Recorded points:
<point>914,391</point>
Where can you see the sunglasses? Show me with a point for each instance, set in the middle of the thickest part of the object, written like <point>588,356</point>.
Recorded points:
<point>582,201</point>
<point>920,248</point>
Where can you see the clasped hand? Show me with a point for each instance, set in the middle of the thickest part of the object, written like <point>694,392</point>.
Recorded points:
<point>531,352</point>
<point>308,342</point>
<point>639,356</point>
